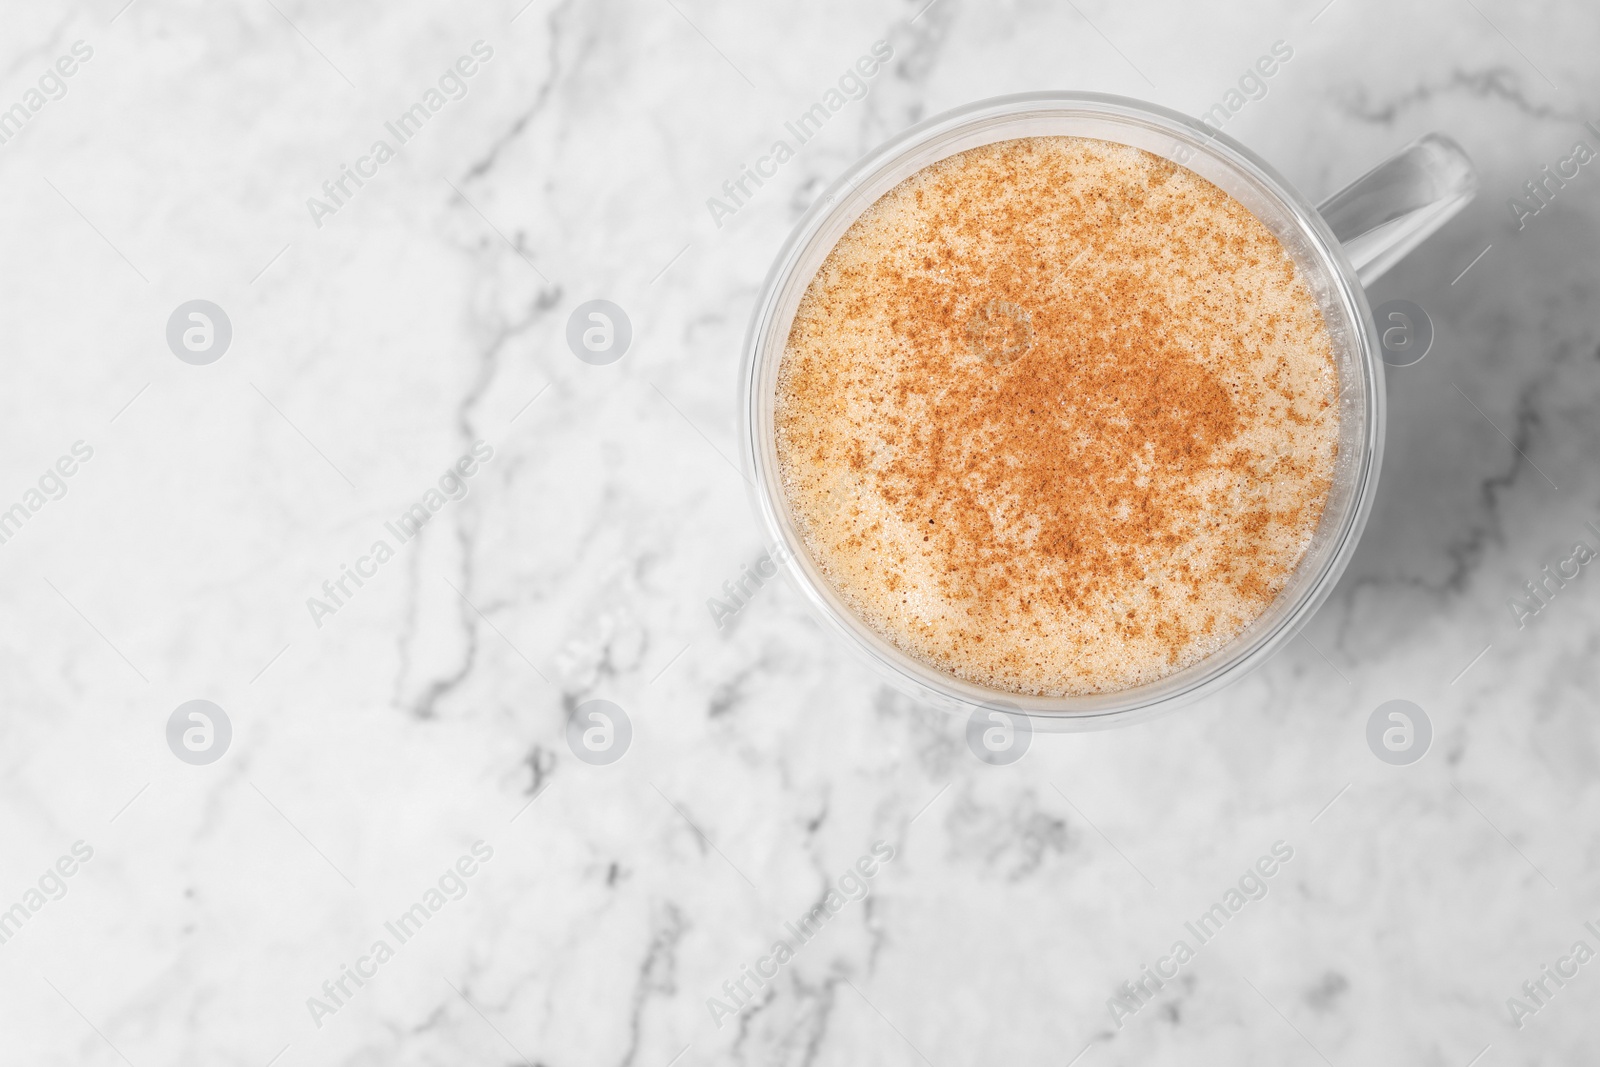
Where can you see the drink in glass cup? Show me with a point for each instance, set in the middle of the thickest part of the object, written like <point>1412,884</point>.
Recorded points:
<point>1067,404</point>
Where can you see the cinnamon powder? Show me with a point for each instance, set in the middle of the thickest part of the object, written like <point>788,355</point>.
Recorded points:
<point>1057,416</point>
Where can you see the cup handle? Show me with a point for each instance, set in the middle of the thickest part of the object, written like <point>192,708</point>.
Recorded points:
<point>1393,207</point>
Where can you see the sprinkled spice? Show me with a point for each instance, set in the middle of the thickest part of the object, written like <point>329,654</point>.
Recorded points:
<point>1057,416</point>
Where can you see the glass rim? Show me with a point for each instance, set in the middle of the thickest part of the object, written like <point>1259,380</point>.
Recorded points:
<point>1246,650</point>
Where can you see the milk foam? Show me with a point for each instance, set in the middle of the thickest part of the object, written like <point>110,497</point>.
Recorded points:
<point>1057,416</point>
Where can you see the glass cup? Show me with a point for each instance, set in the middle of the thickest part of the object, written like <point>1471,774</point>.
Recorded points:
<point>1340,246</point>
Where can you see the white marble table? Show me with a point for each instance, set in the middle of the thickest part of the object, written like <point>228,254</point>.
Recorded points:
<point>377,740</point>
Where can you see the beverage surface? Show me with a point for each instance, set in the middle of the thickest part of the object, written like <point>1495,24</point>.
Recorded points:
<point>1057,416</point>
